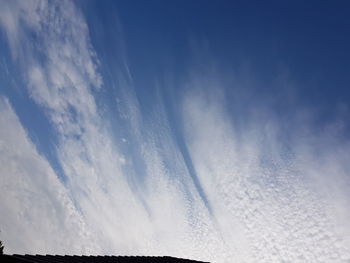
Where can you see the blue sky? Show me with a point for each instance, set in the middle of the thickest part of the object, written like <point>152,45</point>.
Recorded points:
<point>215,131</point>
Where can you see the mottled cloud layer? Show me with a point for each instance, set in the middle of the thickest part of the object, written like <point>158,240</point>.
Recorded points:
<point>278,199</point>
<point>247,196</point>
<point>36,211</point>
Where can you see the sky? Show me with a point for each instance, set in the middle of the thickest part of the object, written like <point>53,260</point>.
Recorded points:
<point>209,130</point>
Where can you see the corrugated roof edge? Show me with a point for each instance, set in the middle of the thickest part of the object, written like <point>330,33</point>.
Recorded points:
<point>91,258</point>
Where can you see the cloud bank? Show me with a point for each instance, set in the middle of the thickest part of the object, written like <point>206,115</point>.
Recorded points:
<point>248,196</point>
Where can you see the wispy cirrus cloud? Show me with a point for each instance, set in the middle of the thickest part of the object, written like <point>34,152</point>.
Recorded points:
<point>51,44</point>
<point>37,214</point>
<point>274,194</point>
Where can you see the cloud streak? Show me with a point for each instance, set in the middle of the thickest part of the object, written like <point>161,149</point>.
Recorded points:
<point>37,213</point>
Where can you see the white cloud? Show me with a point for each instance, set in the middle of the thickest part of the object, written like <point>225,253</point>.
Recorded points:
<point>61,73</point>
<point>60,67</point>
<point>278,205</point>
<point>37,214</point>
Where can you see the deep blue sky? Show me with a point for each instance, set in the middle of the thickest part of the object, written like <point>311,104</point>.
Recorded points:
<point>308,41</point>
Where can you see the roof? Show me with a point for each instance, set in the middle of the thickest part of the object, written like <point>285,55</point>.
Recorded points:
<point>90,259</point>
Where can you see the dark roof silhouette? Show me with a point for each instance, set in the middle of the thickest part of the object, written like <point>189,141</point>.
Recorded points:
<point>90,259</point>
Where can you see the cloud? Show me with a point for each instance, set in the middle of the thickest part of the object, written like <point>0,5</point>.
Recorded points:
<point>60,67</point>
<point>37,213</point>
<point>272,194</point>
